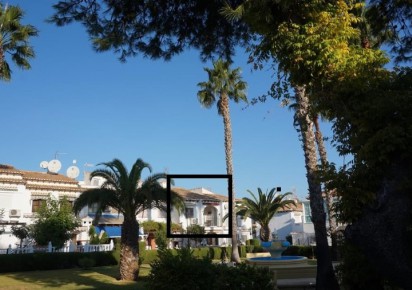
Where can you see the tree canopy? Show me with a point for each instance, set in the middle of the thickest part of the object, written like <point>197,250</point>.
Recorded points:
<point>14,40</point>
<point>156,29</point>
<point>54,223</point>
<point>263,207</point>
<point>130,194</point>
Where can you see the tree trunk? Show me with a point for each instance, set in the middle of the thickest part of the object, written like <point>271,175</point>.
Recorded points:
<point>325,278</point>
<point>264,233</point>
<point>129,267</point>
<point>224,108</point>
<point>328,197</point>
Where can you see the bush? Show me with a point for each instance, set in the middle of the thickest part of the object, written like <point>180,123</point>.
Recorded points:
<point>258,249</point>
<point>253,242</point>
<point>52,261</point>
<point>306,251</point>
<point>354,272</point>
<point>180,272</point>
<point>242,251</point>
<point>149,256</point>
<point>242,277</point>
<point>183,271</point>
<point>86,263</point>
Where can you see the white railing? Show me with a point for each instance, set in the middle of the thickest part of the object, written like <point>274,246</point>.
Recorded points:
<point>71,247</point>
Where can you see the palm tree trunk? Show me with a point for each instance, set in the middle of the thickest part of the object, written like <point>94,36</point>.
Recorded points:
<point>329,198</point>
<point>129,267</point>
<point>224,107</point>
<point>264,233</point>
<point>325,278</point>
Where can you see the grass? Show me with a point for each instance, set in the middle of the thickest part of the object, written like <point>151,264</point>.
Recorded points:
<point>95,278</point>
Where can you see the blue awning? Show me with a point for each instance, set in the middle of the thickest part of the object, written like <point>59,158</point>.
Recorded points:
<point>111,231</point>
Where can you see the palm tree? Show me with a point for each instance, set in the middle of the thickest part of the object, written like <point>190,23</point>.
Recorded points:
<point>224,84</point>
<point>262,208</point>
<point>127,193</point>
<point>14,40</point>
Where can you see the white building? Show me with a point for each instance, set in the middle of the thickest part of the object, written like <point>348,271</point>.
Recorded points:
<point>202,207</point>
<point>294,221</point>
<point>22,193</point>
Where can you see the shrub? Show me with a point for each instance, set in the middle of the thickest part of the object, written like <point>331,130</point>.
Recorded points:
<point>180,272</point>
<point>183,271</point>
<point>258,249</point>
<point>86,263</point>
<point>306,251</point>
<point>51,261</point>
<point>243,277</point>
<point>149,256</point>
<point>354,272</point>
<point>242,251</point>
<point>253,242</point>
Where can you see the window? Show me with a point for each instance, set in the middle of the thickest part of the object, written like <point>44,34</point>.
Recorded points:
<point>93,208</point>
<point>189,212</point>
<point>36,204</point>
<point>308,213</point>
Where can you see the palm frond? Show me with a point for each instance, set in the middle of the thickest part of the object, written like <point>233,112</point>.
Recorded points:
<point>101,196</point>
<point>231,14</point>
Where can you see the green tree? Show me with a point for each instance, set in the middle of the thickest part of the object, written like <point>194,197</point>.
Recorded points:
<point>21,232</point>
<point>262,208</point>
<point>159,229</point>
<point>373,124</point>
<point>129,194</point>
<point>157,29</point>
<point>14,40</point>
<point>392,18</point>
<point>54,223</point>
<point>195,230</point>
<point>224,84</point>
<point>312,43</point>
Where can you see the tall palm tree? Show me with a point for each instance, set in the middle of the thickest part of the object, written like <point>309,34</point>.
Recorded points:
<point>263,207</point>
<point>127,193</point>
<point>14,40</point>
<point>225,84</point>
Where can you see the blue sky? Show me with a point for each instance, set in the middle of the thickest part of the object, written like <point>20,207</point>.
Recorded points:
<point>94,108</point>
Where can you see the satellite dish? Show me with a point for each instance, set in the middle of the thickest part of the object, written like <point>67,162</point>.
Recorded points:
<point>73,171</point>
<point>54,166</point>
<point>44,164</point>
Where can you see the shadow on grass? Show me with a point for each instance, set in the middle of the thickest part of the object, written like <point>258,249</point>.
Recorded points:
<point>95,278</point>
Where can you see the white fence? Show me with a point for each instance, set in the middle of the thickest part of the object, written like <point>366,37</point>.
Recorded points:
<point>70,247</point>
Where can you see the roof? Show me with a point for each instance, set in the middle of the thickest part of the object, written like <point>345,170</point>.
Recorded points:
<point>34,175</point>
<point>38,181</point>
<point>291,207</point>
<point>197,195</point>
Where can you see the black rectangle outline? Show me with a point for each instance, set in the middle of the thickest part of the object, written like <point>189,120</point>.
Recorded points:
<point>169,177</point>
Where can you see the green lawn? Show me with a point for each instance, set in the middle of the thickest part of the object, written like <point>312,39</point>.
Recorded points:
<point>95,278</point>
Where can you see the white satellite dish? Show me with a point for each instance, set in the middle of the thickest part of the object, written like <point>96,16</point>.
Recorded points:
<point>44,164</point>
<point>73,171</point>
<point>54,166</point>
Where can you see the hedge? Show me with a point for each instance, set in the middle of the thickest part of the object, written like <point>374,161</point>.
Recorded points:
<point>52,261</point>
<point>148,256</point>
